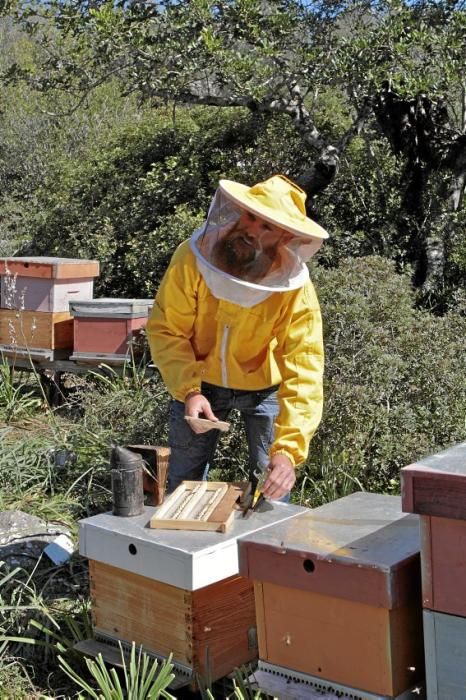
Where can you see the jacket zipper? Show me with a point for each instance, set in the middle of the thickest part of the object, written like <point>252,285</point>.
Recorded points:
<point>223,353</point>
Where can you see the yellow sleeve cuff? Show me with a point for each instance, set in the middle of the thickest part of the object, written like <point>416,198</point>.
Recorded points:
<point>283,452</point>
<point>192,390</point>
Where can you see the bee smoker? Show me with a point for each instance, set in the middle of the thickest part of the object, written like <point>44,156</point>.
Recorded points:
<point>127,482</point>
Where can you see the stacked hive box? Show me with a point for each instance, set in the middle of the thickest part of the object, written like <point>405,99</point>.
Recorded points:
<point>35,320</point>
<point>338,598</point>
<point>435,488</point>
<point>108,329</point>
<point>174,591</point>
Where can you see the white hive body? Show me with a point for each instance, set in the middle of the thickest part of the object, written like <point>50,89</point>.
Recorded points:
<point>188,560</point>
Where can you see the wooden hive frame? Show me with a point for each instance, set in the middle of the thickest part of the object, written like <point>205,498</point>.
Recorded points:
<point>199,505</point>
<point>156,459</point>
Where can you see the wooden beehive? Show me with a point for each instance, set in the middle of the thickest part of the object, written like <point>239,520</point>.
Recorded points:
<point>445,644</point>
<point>39,294</point>
<point>338,595</point>
<point>35,293</point>
<point>213,625</point>
<point>174,590</point>
<point>108,328</point>
<point>35,329</point>
<point>435,487</point>
<point>49,268</point>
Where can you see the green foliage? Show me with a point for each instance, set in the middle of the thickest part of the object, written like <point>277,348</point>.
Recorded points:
<point>24,460</point>
<point>365,214</point>
<point>31,482</point>
<point>361,210</point>
<point>144,678</point>
<point>335,476</point>
<point>117,409</point>
<point>39,130</point>
<point>16,399</point>
<point>244,47</point>
<point>96,207</point>
<point>144,188</point>
<point>394,386</point>
<point>14,679</point>
<point>243,688</point>
<point>392,39</point>
<point>129,186</point>
<point>38,619</point>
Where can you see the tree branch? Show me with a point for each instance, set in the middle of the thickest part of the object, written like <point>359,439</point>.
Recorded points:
<point>357,125</point>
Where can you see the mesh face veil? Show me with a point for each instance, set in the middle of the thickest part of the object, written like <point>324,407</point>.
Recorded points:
<point>244,258</point>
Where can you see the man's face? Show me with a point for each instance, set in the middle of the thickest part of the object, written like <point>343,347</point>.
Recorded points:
<point>251,248</point>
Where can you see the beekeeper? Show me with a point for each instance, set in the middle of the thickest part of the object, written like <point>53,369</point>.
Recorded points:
<point>236,324</point>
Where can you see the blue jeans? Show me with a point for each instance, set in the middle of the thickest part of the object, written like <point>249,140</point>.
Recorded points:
<point>191,453</point>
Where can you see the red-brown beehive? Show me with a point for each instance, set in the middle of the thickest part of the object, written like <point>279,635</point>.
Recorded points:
<point>338,595</point>
<point>435,488</point>
<point>108,329</point>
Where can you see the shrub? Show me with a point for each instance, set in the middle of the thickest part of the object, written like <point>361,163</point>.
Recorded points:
<point>394,378</point>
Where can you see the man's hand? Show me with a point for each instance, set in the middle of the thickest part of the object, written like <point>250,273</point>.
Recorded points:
<point>281,478</point>
<point>196,404</point>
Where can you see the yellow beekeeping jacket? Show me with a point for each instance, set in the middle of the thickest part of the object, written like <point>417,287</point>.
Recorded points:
<point>195,337</point>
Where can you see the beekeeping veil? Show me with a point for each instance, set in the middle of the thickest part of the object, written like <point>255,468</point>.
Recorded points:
<point>256,240</point>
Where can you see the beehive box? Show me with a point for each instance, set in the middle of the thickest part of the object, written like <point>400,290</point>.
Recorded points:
<point>445,642</point>
<point>49,268</point>
<point>338,595</point>
<point>106,328</point>
<point>435,487</point>
<point>443,564</point>
<point>37,294</point>
<point>175,591</point>
<point>27,331</point>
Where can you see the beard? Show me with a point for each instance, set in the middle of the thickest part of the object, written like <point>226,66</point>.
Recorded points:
<point>240,259</point>
<point>238,252</point>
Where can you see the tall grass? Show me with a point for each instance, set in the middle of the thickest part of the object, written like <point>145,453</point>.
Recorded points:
<point>16,399</point>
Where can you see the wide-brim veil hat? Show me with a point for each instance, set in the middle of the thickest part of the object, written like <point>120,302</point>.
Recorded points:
<point>276,200</point>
